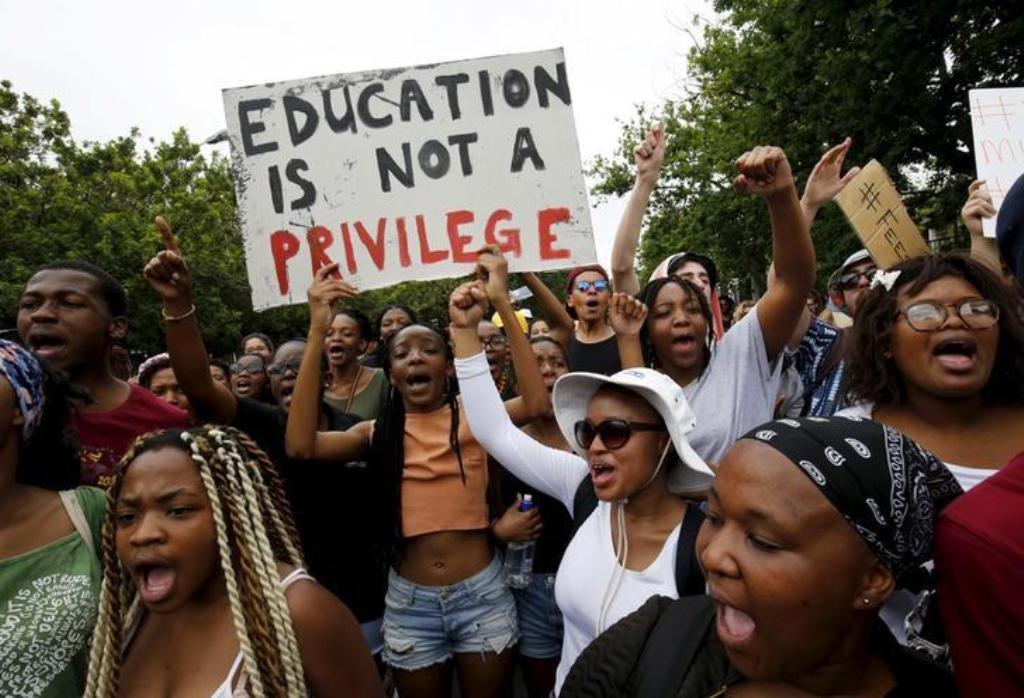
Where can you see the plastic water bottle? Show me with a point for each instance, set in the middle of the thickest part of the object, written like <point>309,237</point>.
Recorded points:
<point>519,555</point>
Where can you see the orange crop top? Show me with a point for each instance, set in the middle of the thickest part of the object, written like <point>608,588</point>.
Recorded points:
<point>433,495</point>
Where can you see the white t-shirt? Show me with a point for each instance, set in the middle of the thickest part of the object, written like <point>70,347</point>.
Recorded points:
<point>589,561</point>
<point>736,392</point>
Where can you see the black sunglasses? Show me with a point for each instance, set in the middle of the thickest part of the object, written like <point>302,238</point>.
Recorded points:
<point>252,368</point>
<point>279,369</point>
<point>614,433</point>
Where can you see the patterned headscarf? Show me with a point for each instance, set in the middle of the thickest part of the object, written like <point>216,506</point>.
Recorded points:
<point>888,488</point>
<point>26,378</point>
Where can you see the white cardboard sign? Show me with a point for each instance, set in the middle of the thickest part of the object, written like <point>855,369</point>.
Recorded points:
<point>997,120</point>
<point>403,174</point>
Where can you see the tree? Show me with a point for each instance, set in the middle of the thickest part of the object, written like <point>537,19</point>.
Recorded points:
<point>894,76</point>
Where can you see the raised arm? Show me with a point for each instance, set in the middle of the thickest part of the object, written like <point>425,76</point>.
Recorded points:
<point>979,205</point>
<point>549,470</point>
<point>648,155</point>
<point>627,315</point>
<point>534,400</point>
<point>302,437</point>
<point>559,322</point>
<point>168,275</point>
<point>826,180</point>
<point>764,171</point>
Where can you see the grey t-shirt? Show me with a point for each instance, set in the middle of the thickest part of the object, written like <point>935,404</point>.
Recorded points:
<point>737,390</point>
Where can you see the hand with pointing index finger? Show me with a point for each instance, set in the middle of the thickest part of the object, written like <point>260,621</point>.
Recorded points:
<point>327,289</point>
<point>167,273</point>
<point>492,270</point>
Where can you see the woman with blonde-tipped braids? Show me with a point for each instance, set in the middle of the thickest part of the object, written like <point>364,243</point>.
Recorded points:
<point>204,591</point>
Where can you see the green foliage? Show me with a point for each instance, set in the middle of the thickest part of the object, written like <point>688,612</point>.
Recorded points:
<point>803,75</point>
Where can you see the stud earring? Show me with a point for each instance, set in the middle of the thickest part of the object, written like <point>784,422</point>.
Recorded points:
<point>867,601</point>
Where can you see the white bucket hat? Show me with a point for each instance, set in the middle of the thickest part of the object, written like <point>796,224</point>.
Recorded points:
<point>687,473</point>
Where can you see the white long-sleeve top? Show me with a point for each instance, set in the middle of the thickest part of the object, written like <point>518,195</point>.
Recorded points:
<point>589,561</point>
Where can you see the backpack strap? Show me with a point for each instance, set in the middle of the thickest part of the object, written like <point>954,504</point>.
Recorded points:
<point>671,647</point>
<point>77,516</point>
<point>689,578</point>
<point>583,503</point>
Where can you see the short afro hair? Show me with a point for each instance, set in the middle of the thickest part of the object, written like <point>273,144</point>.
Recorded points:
<point>113,292</point>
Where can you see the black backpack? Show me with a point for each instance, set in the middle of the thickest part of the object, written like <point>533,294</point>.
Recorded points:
<point>689,579</point>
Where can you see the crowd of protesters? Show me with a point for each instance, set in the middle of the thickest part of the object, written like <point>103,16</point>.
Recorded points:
<point>804,494</point>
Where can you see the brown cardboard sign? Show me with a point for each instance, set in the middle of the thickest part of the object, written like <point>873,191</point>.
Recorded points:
<point>876,212</point>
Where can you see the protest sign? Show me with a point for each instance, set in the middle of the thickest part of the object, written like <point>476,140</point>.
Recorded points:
<point>997,121</point>
<point>403,174</point>
<point>876,212</point>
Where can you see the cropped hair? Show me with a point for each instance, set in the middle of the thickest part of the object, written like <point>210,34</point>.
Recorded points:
<point>392,306</point>
<point>359,317</point>
<point>650,294</point>
<point>260,336</point>
<point>387,448</point>
<point>872,374</point>
<point>255,530</point>
<point>50,457</point>
<point>111,290</point>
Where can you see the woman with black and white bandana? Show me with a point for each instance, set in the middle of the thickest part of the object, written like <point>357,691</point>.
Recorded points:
<point>811,525</point>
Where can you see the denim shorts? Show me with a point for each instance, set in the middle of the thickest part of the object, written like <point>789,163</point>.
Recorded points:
<point>426,625</point>
<point>539,619</point>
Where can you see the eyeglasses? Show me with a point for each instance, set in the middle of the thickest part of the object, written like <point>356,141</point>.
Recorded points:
<point>852,279</point>
<point>284,366</point>
<point>495,341</point>
<point>928,316</point>
<point>252,368</point>
<point>614,433</point>
<point>583,285</point>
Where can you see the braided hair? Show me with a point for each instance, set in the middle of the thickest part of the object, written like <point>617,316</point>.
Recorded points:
<point>255,531</point>
<point>387,448</point>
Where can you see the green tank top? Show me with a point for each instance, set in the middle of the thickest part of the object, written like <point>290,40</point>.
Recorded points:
<point>368,402</point>
<point>48,602</point>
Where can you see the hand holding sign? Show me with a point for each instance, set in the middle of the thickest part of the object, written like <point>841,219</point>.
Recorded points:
<point>467,305</point>
<point>764,171</point>
<point>649,154</point>
<point>168,274</point>
<point>978,207</point>
<point>327,288</point>
<point>825,181</point>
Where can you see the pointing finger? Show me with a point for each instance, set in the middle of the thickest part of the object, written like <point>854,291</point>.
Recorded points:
<point>170,241</point>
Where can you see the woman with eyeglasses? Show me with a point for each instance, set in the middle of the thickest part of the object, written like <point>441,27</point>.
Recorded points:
<point>938,353</point>
<point>249,379</point>
<point>633,535</point>
<point>322,499</point>
<point>495,346</point>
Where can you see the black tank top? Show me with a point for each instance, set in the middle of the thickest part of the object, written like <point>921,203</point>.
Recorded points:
<point>599,357</point>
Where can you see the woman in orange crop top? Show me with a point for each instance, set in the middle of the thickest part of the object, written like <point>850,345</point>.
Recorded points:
<point>447,598</point>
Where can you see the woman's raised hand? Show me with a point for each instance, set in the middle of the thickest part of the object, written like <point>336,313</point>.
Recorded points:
<point>826,180</point>
<point>167,273</point>
<point>492,270</point>
<point>626,314</point>
<point>467,305</point>
<point>764,171</point>
<point>327,288</point>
